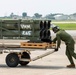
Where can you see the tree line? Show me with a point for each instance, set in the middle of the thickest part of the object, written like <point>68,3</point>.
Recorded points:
<point>38,15</point>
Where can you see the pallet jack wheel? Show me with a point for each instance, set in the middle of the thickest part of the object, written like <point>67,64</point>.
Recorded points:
<point>12,60</point>
<point>26,56</point>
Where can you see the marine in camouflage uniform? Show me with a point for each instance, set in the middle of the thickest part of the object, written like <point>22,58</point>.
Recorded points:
<point>64,36</point>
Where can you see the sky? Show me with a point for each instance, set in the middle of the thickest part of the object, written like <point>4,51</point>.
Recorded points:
<point>43,7</point>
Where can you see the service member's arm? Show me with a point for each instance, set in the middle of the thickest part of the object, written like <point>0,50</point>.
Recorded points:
<point>58,40</point>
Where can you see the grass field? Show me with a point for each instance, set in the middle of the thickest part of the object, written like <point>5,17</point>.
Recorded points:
<point>66,26</point>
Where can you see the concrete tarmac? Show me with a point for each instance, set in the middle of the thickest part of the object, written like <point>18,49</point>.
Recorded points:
<point>54,64</point>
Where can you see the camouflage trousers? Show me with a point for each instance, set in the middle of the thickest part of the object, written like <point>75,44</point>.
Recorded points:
<point>70,52</point>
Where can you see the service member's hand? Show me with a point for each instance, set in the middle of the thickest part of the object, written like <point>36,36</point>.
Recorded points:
<point>56,49</point>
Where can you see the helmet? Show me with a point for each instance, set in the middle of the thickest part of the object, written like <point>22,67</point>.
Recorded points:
<point>55,29</point>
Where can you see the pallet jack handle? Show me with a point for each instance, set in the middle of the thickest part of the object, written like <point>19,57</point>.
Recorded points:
<point>43,55</point>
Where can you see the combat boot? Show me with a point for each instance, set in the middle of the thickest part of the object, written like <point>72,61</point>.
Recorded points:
<point>71,66</point>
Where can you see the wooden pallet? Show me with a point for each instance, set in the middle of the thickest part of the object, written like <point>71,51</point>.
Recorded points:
<point>36,45</point>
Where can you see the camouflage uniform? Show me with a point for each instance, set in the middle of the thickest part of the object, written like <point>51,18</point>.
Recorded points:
<point>64,36</point>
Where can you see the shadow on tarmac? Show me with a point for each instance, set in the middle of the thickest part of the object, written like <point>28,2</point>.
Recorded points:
<point>33,67</point>
<point>44,67</point>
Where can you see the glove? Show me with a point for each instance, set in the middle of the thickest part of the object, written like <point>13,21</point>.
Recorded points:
<point>56,49</point>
